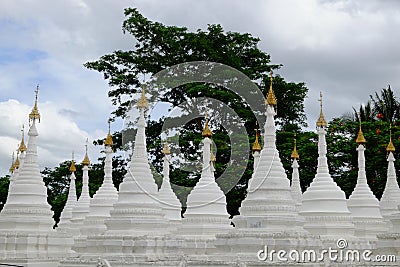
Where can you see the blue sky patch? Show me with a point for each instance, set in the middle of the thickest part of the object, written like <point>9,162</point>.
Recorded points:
<point>14,55</point>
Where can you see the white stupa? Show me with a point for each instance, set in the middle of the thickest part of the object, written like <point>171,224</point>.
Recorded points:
<point>324,204</point>
<point>27,236</point>
<point>389,242</point>
<point>295,186</point>
<point>137,211</point>
<point>26,208</point>
<point>390,199</point>
<point>66,215</point>
<point>137,225</point>
<point>82,207</point>
<point>168,200</point>
<point>206,212</point>
<point>269,206</point>
<point>104,199</point>
<point>268,214</point>
<point>362,203</point>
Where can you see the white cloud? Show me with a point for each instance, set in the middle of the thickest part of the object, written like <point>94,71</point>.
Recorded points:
<point>58,134</point>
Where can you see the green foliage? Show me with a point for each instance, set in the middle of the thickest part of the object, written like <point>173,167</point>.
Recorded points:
<point>386,105</point>
<point>157,47</point>
<point>4,184</point>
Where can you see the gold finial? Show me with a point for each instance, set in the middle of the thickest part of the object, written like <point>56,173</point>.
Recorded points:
<point>109,140</point>
<point>206,131</point>
<point>72,168</point>
<point>360,137</point>
<point>166,150</point>
<point>390,147</point>
<point>256,144</point>
<point>35,115</point>
<point>213,159</point>
<point>22,146</point>
<point>143,103</point>
<point>16,163</point>
<point>295,154</point>
<point>271,99</point>
<point>86,160</point>
<point>12,167</point>
<point>321,122</point>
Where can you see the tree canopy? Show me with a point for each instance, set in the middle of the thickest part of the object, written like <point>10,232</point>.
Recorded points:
<point>158,46</point>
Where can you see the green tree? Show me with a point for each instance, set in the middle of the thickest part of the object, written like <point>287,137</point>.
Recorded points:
<point>4,184</point>
<point>386,105</point>
<point>156,47</point>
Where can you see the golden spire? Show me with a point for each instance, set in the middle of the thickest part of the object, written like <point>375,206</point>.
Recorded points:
<point>271,99</point>
<point>212,156</point>
<point>206,131</point>
<point>321,122</point>
<point>143,103</point>
<point>166,150</point>
<point>86,160</point>
<point>360,137</point>
<point>35,115</point>
<point>109,140</point>
<point>390,147</point>
<point>295,154</point>
<point>22,146</point>
<point>16,163</point>
<point>256,144</point>
<point>72,168</point>
<point>12,167</point>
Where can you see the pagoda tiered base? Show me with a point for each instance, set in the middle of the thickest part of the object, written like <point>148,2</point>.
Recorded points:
<point>33,249</point>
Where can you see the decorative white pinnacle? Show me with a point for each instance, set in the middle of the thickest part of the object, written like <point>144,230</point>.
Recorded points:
<point>137,211</point>
<point>27,208</point>
<point>295,187</point>
<point>169,202</point>
<point>324,204</point>
<point>66,215</point>
<point>102,202</point>
<point>269,205</point>
<point>206,212</point>
<point>363,205</point>
<point>82,207</point>
<point>391,195</point>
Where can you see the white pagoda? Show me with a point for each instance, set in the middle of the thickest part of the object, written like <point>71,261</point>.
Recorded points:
<point>324,204</point>
<point>362,203</point>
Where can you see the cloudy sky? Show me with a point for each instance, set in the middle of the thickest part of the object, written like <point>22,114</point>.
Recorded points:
<point>346,49</point>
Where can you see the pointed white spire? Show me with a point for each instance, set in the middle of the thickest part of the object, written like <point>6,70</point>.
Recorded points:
<point>391,195</point>
<point>206,212</point>
<point>362,203</point>
<point>102,202</point>
<point>26,208</point>
<point>295,185</point>
<point>82,207</point>
<point>66,215</point>
<point>324,204</point>
<point>169,202</point>
<point>137,210</point>
<point>269,204</point>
